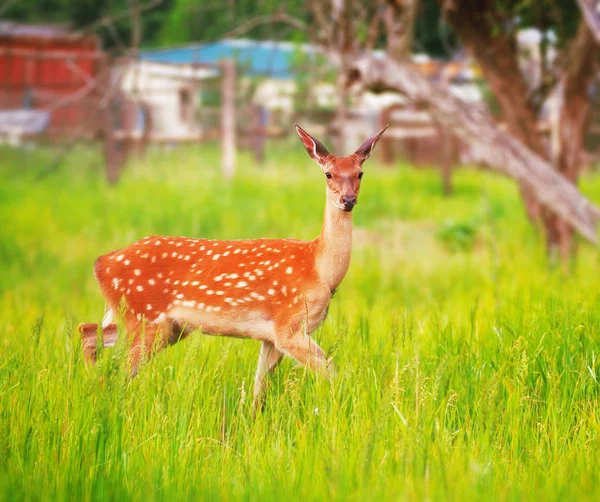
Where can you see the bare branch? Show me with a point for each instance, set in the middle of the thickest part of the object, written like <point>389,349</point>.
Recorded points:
<point>490,145</point>
<point>124,14</point>
<point>589,9</point>
<point>281,17</point>
<point>7,5</point>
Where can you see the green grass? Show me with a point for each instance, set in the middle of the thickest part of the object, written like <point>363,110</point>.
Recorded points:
<point>467,370</point>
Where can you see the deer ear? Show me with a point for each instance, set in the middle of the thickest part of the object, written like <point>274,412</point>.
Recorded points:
<point>367,147</point>
<point>313,146</point>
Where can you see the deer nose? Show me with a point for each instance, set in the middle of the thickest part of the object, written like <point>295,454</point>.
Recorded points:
<point>349,202</point>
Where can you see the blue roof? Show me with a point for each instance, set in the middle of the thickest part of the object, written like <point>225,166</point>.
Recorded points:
<point>273,59</point>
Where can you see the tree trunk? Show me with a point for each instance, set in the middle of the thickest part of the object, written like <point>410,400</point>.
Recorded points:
<point>490,145</point>
<point>496,54</point>
<point>574,108</point>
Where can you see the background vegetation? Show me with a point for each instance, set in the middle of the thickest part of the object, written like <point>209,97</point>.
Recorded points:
<point>467,369</point>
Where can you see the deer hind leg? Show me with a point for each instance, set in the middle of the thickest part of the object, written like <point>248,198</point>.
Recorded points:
<point>268,360</point>
<point>150,338</point>
<point>89,338</point>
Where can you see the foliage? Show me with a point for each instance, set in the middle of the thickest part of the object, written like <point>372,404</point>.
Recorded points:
<point>462,376</point>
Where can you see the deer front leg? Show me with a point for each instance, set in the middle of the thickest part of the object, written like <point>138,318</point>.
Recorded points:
<point>268,360</point>
<point>307,352</point>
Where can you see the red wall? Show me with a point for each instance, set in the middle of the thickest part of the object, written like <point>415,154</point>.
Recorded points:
<point>31,71</point>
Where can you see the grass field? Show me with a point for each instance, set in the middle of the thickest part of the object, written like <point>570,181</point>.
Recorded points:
<point>467,370</point>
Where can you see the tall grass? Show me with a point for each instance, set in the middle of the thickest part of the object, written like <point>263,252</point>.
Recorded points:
<point>467,370</point>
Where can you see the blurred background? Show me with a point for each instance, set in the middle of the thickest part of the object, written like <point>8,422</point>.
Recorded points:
<point>129,76</point>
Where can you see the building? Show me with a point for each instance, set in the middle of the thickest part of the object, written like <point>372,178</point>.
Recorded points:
<point>52,70</point>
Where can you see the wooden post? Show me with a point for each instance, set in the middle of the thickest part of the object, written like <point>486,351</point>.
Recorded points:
<point>228,118</point>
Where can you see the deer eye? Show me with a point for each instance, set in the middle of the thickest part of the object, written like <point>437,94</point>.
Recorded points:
<point>360,175</point>
<point>328,175</point>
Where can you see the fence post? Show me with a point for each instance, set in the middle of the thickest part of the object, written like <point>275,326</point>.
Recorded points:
<point>228,118</point>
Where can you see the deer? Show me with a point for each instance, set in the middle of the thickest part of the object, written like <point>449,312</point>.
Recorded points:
<point>276,291</point>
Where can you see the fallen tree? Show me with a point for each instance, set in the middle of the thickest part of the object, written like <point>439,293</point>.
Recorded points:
<point>490,145</point>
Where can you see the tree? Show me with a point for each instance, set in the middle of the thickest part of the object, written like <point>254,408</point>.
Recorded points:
<point>488,29</point>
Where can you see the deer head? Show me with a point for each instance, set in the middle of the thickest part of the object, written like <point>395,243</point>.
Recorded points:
<point>343,173</point>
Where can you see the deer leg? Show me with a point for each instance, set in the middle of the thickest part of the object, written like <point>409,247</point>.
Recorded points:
<point>89,338</point>
<point>147,340</point>
<point>268,360</point>
<point>307,352</point>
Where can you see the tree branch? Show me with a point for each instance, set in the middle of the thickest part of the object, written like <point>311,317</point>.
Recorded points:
<point>495,148</point>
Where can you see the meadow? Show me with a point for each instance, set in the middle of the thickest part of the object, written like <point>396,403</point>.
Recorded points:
<point>467,368</point>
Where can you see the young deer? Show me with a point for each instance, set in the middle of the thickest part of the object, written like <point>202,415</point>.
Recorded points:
<point>273,290</point>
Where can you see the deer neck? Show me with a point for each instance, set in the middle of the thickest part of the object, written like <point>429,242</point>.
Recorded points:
<point>334,246</point>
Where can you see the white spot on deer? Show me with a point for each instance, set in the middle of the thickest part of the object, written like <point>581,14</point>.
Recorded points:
<point>227,284</point>
<point>226,253</point>
<point>268,262</point>
<point>139,288</point>
<point>241,284</point>
<point>232,276</point>
<point>252,277</point>
<point>159,275</point>
<point>284,291</point>
<point>210,292</point>
<point>137,272</point>
<point>115,283</point>
<point>166,290</point>
<point>282,260</point>
<point>120,257</point>
<point>187,257</point>
<point>218,278</point>
<point>195,283</point>
<point>167,280</point>
<point>236,251</point>
<point>215,243</point>
<point>145,256</point>
<point>216,257</point>
<point>161,317</point>
<point>171,242</point>
<point>130,281</point>
<point>258,254</point>
<point>148,307</point>
<point>139,317</point>
<point>180,295</point>
<point>289,270</point>
<point>216,309</point>
<point>176,302</point>
<point>157,243</point>
<point>254,249</point>
<point>245,251</point>
<point>241,264</point>
<point>152,282</point>
<point>204,286</point>
<point>202,248</point>
<point>176,282</point>
<point>220,293</point>
<point>138,251</point>
<point>174,254</point>
<point>295,299</point>
<point>126,262</point>
<point>275,283</point>
<point>258,272</point>
<point>153,260</point>
<point>271,291</point>
<point>164,255</point>
<point>209,252</point>
<point>128,291</point>
<point>178,244</point>
<point>189,303</point>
